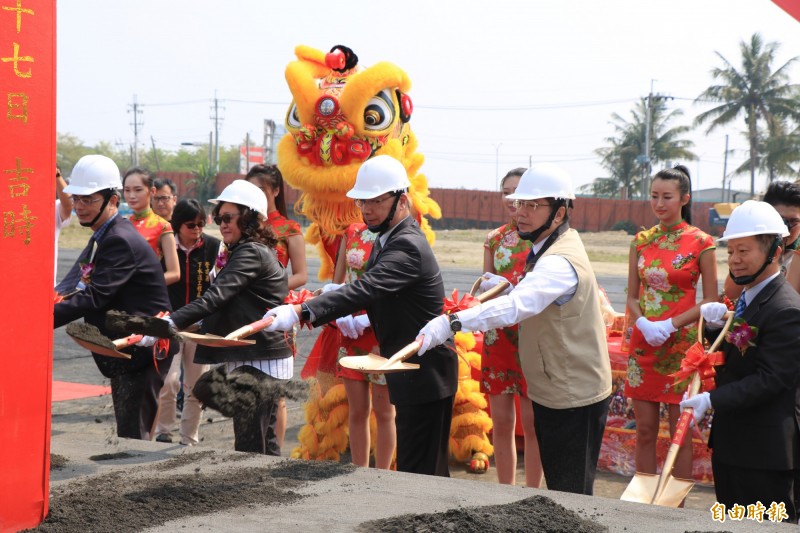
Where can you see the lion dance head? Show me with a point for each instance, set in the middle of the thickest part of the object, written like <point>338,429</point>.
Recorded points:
<point>341,115</point>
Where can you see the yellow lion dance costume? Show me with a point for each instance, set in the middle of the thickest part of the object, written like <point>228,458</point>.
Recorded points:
<point>341,115</point>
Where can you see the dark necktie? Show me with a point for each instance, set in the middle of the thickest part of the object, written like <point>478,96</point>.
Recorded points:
<point>741,304</point>
<point>376,250</point>
<point>70,281</point>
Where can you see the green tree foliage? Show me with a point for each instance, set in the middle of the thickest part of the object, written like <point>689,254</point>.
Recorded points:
<point>621,157</point>
<point>763,96</point>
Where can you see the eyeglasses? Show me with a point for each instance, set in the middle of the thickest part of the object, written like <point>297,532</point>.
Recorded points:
<point>85,201</point>
<point>791,223</point>
<point>527,204</point>
<point>226,218</point>
<point>162,199</point>
<point>193,225</point>
<point>375,202</point>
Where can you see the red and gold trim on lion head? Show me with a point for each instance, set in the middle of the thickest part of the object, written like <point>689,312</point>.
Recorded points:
<point>341,115</point>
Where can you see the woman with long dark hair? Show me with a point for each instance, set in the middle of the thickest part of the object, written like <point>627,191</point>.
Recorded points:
<point>666,262</point>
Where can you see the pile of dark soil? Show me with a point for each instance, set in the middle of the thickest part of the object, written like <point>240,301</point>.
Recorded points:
<point>120,502</point>
<point>143,325</point>
<point>310,470</point>
<point>111,456</point>
<point>57,462</point>
<point>89,333</point>
<point>531,515</point>
<point>239,392</point>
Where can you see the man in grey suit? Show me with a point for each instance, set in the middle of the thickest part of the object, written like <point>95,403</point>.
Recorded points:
<point>755,439</point>
<point>401,290</point>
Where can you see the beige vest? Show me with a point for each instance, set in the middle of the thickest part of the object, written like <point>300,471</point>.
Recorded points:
<point>563,350</point>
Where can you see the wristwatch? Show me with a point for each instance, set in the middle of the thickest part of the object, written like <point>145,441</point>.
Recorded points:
<point>305,313</point>
<point>455,323</point>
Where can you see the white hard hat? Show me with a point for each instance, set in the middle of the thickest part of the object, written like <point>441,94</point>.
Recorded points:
<point>544,180</point>
<point>754,218</point>
<point>93,173</point>
<point>244,193</point>
<point>379,175</point>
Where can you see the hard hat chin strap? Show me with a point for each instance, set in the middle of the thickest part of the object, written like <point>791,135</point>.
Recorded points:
<point>383,226</point>
<point>107,195</point>
<point>747,280</point>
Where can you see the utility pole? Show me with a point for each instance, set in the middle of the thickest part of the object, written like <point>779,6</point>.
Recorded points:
<point>247,153</point>
<point>216,120</point>
<point>155,154</point>
<point>725,172</point>
<point>210,147</point>
<point>644,159</point>
<point>530,161</point>
<point>136,125</point>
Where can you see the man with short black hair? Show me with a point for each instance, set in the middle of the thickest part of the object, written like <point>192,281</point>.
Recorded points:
<point>165,198</point>
<point>117,270</point>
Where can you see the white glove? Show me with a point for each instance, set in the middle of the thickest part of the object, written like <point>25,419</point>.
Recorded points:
<point>492,280</point>
<point>347,327</point>
<point>361,323</point>
<point>434,333</point>
<point>712,313</point>
<point>653,334</point>
<point>328,287</point>
<point>666,327</point>
<point>147,341</point>
<point>699,403</point>
<point>285,318</point>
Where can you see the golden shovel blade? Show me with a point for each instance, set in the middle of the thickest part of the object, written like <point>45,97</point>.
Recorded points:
<point>642,489</point>
<point>212,340</point>
<point>374,364</point>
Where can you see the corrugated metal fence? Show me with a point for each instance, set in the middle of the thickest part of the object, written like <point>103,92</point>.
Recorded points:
<point>466,209</point>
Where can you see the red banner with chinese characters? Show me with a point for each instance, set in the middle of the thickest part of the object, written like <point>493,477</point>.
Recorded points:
<point>27,214</point>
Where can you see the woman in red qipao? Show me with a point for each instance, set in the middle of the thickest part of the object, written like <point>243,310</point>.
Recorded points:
<point>351,262</point>
<point>138,189</point>
<point>291,247</point>
<point>502,380</point>
<point>666,262</point>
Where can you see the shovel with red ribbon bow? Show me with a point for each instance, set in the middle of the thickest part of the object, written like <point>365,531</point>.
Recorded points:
<point>698,365</point>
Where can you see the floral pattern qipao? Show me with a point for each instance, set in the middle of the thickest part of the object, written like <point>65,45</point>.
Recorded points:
<point>669,269</point>
<point>283,229</point>
<point>500,369</point>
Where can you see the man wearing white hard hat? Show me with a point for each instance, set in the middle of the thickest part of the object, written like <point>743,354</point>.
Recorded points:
<point>401,290</point>
<point>117,270</point>
<point>250,280</point>
<point>755,439</point>
<point>562,340</point>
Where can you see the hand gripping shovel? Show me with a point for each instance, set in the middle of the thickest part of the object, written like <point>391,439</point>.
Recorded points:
<point>156,327</point>
<point>665,489</point>
<point>375,364</point>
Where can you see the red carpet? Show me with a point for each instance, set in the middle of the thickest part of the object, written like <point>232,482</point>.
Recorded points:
<point>64,390</point>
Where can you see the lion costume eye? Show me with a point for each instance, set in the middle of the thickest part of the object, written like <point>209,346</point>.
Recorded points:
<point>379,112</point>
<point>291,118</point>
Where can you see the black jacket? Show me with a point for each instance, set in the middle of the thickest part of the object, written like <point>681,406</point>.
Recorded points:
<point>401,290</point>
<point>195,267</point>
<point>252,282</point>
<point>755,403</point>
<point>127,277</point>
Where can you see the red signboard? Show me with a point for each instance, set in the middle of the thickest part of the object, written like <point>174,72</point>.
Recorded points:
<point>27,214</point>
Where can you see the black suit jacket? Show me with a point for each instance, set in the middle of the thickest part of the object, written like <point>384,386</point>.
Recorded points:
<point>127,277</point>
<point>401,290</point>
<point>755,403</point>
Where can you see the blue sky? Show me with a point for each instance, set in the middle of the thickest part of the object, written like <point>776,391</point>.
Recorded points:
<point>494,86</point>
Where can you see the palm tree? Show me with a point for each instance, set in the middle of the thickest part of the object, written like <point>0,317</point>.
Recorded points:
<point>781,154</point>
<point>622,157</point>
<point>755,91</point>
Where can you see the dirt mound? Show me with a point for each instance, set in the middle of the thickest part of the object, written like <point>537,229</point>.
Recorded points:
<point>240,392</point>
<point>531,515</point>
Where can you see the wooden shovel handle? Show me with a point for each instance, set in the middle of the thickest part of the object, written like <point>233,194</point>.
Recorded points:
<point>249,329</point>
<point>491,293</point>
<point>119,344</point>
<point>402,354</point>
<point>721,335</point>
